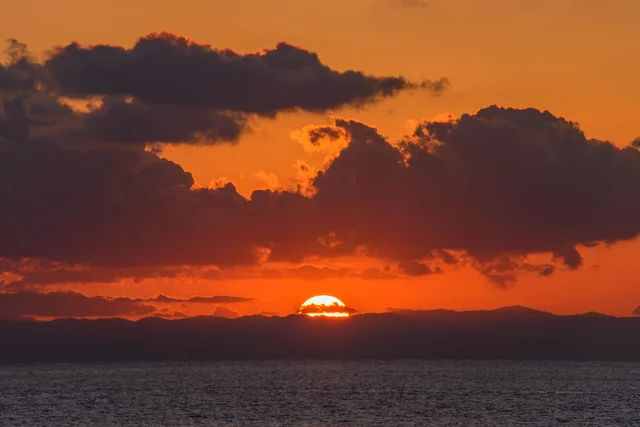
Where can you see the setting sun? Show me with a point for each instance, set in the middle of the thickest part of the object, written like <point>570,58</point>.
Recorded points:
<point>324,305</point>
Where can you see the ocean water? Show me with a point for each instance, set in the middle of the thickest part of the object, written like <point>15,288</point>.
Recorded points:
<point>321,393</point>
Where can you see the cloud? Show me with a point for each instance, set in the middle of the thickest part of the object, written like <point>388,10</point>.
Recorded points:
<point>636,312</point>
<point>168,89</point>
<point>133,122</point>
<point>20,74</point>
<point>329,308</point>
<point>225,312</point>
<point>311,272</point>
<point>329,139</point>
<point>74,304</point>
<point>11,80</point>
<point>69,304</point>
<point>36,273</point>
<point>164,68</point>
<point>493,186</point>
<point>414,268</point>
<point>216,299</point>
<point>499,182</point>
<point>115,208</point>
<point>117,120</point>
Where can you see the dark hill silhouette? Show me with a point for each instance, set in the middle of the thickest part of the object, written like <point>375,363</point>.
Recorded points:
<point>506,333</point>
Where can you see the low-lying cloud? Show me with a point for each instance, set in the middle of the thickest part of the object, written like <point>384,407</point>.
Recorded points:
<point>328,308</point>
<point>216,299</point>
<point>69,304</point>
<point>73,304</point>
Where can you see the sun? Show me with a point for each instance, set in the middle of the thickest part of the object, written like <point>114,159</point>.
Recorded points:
<point>325,306</point>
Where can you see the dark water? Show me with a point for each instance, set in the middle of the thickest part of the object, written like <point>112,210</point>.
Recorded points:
<point>281,393</point>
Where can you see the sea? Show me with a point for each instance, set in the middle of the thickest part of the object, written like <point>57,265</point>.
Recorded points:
<point>322,393</point>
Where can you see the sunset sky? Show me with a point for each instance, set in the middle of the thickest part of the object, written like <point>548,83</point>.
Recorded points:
<point>410,154</point>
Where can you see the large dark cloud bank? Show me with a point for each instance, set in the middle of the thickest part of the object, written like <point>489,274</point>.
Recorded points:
<point>79,187</point>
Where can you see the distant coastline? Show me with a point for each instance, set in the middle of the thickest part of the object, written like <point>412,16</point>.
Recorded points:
<point>507,333</point>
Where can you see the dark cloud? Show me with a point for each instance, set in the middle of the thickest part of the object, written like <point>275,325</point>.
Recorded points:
<point>114,208</point>
<point>11,80</point>
<point>118,121</point>
<point>72,304</point>
<point>545,269</point>
<point>167,89</point>
<point>636,312</point>
<point>414,268</point>
<point>569,256</point>
<point>485,190</point>
<point>493,186</point>
<point>312,272</point>
<point>20,73</point>
<point>216,299</point>
<point>14,123</point>
<point>500,182</point>
<point>133,122</point>
<point>69,304</point>
<point>164,68</point>
<point>504,270</point>
<point>35,274</point>
<point>330,308</point>
<point>318,133</point>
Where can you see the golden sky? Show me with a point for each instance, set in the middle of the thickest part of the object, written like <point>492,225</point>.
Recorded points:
<point>579,59</point>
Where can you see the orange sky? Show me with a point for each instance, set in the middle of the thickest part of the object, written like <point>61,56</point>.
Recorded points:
<point>578,59</point>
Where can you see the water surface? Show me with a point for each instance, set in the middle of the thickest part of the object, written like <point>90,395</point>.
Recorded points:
<point>321,393</point>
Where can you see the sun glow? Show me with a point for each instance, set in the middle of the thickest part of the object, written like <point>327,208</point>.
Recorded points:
<point>325,306</point>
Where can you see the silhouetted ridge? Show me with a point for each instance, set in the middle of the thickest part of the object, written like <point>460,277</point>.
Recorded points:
<point>518,310</point>
<point>506,333</point>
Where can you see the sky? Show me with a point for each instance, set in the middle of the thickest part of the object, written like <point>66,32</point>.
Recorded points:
<point>406,154</point>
